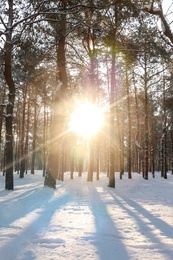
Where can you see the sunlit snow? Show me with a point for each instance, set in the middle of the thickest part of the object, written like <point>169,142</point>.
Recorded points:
<point>87,220</point>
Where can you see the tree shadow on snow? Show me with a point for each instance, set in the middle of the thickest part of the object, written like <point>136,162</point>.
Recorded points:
<point>106,239</point>
<point>37,220</point>
<point>140,215</point>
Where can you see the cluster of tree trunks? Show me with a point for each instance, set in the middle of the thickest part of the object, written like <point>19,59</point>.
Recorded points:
<point>131,137</point>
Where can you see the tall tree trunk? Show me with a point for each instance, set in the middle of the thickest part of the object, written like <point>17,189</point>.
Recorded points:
<point>44,140</point>
<point>91,160</point>
<point>59,103</point>
<point>72,160</point>
<point>22,151</point>
<point>171,133</point>
<point>146,120</point>
<point>163,139</point>
<point>97,158</point>
<point>93,94</point>
<point>120,137</point>
<point>9,185</point>
<point>129,128</point>
<point>152,145</point>
<point>137,137</point>
<point>111,125</point>
<point>122,147</point>
<point>18,141</point>
<point>1,125</point>
<point>27,135</point>
<point>34,139</point>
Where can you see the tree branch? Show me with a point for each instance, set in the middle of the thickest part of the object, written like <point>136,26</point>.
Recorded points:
<point>159,12</point>
<point>2,21</point>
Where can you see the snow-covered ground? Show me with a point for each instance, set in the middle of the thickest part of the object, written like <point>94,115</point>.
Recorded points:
<point>81,220</point>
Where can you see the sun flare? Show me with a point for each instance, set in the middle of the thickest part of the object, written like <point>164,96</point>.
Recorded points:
<point>86,119</point>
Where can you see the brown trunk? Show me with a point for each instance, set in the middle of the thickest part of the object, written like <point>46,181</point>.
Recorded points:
<point>22,152</point>
<point>27,135</point>
<point>146,138</point>
<point>129,129</point>
<point>1,125</point>
<point>111,125</point>
<point>34,140</point>
<point>11,98</point>
<point>58,122</point>
<point>91,161</point>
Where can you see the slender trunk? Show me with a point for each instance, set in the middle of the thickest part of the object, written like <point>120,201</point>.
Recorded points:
<point>152,145</point>
<point>17,143</point>
<point>1,125</point>
<point>22,152</point>
<point>27,136</point>
<point>112,136</point>
<point>92,142</point>
<point>164,135</point>
<point>98,159</point>
<point>44,141</point>
<point>122,148</point>
<point>72,161</point>
<point>119,124</point>
<point>58,121</point>
<point>129,129</point>
<point>34,140</point>
<point>146,122</point>
<point>91,161</point>
<point>9,185</point>
<point>171,151</point>
<point>80,157</point>
<point>62,155</point>
<point>137,137</point>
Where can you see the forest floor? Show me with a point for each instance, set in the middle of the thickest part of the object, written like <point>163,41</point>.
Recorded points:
<point>87,220</point>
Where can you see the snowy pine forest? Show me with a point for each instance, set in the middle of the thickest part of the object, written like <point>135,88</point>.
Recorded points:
<point>86,130</point>
<point>57,57</point>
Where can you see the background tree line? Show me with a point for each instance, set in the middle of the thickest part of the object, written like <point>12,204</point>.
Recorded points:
<point>53,52</point>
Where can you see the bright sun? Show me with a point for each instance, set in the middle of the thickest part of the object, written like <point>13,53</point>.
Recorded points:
<point>87,119</point>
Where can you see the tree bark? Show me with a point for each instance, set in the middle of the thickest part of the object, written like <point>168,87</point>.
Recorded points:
<point>27,135</point>
<point>22,151</point>
<point>111,125</point>
<point>146,122</point>
<point>129,129</point>
<point>9,185</point>
<point>59,106</point>
<point>91,161</point>
<point>34,139</point>
<point>2,109</point>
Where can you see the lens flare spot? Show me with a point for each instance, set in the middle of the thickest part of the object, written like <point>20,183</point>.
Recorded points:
<point>86,119</point>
